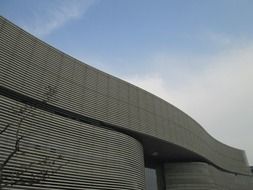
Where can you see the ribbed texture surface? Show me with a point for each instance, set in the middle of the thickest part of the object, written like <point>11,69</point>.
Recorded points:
<point>76,155</point>
<point>29,66</point>
<point>201,176</point>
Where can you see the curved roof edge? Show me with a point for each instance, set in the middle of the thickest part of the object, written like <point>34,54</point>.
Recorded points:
<point>29,65</point>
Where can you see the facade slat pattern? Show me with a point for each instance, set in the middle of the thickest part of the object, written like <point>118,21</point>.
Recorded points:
<point>75,155</point>
<point>29,66</point>
<point>201,176</point>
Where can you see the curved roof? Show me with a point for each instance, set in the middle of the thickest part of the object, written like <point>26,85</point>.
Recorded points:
<point>28,66</point>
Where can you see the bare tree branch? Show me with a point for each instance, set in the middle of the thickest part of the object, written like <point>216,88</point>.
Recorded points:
<point>5,129</point>
<point>16,149</point>
<point>32,172</point>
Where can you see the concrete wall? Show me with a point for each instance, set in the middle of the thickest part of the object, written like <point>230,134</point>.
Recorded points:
<point>29,66</point>
<point>88,157</point>
<point>201,176</point>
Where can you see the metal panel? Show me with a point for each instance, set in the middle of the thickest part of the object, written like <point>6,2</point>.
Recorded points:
<point>133,95</point>
<point>113,87</point>
<point>91,78</point>
<point>102,83</point>
<point>82,156</point>
<point>197,175</point>
<point>123,91</point>
<point>82,89</point>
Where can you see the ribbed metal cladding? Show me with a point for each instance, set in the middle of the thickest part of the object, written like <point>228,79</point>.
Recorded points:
<point>29,66</point>
<point>201,176</point>
<point>76,155</point>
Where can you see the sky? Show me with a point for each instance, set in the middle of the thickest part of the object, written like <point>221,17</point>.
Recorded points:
<point>197,55</point>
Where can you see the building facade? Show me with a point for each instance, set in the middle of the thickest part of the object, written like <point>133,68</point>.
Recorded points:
<point>67,125</point>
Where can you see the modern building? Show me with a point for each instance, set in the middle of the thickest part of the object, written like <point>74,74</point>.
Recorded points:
<point>67,125</point>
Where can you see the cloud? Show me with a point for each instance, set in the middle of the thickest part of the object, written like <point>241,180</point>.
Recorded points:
<point>48,17</point>
<point>219,38</point>
<point>219,96</point>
